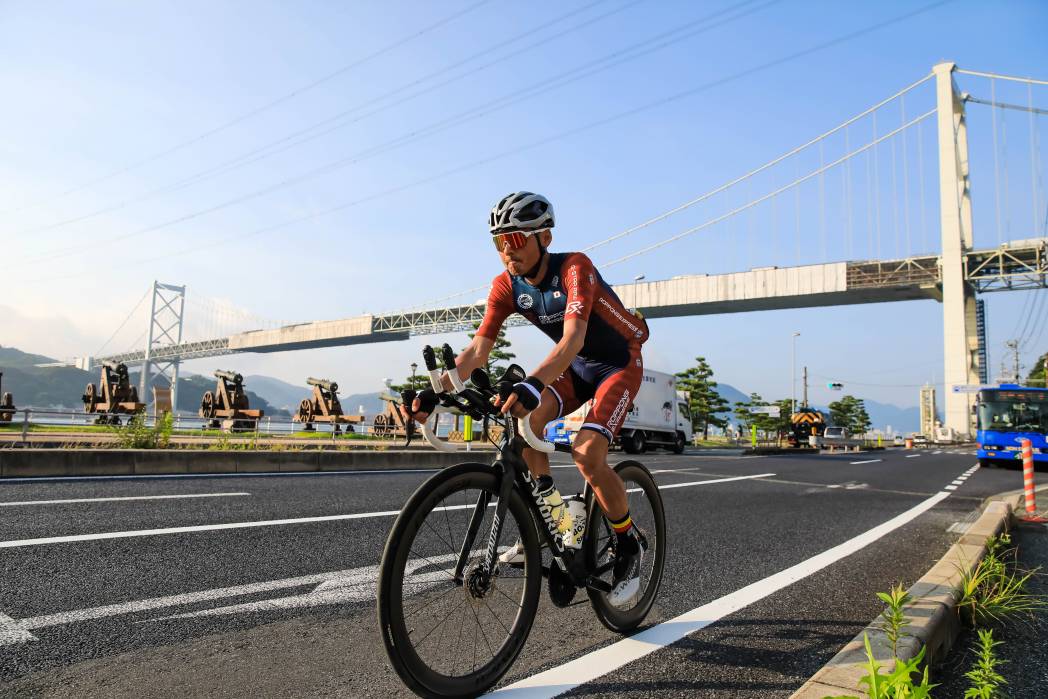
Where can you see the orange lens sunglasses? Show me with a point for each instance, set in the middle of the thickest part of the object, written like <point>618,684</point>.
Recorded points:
<point>516,240</point>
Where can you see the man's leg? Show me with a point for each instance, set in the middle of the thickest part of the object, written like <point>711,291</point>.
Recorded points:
<point>591,456</point>
<point>538,462</point>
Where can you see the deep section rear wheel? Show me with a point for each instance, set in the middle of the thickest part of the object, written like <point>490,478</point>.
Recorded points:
<point>649,517</point>
<point>446,639</point>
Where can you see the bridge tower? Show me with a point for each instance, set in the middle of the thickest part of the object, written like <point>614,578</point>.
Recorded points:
<point>960,333</point>
<point>165,328</point>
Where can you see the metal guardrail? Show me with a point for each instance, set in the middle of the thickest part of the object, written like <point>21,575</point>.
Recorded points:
<point>265,431</point>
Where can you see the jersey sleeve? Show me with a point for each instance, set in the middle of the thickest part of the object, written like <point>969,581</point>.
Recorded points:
<point>580,287</point>
<point>500,306</point>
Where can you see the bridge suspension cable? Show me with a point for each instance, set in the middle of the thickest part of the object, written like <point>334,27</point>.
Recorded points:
<point>517,95</point>
<point>341,120</point>
<point>256,110</point>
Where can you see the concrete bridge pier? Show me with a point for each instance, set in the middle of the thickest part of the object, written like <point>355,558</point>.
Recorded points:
<point>960,336</point>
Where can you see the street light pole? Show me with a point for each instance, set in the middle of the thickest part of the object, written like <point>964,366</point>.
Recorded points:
<point>793,363</point>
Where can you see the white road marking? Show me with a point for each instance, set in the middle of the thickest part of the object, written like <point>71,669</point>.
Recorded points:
<point>912,456</point>
<point>868,461</point>
<point>335,587</point>
<point>600,662</point>
<point>139,497</point>
<point>709,482</point>
<point>282,522</point>
<point>11,632</point>
<point>256,474</point>
<point>937,452</point>
<point>951,487</point>
<point>959,481</point>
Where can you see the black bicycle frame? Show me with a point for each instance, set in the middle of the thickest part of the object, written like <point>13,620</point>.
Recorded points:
<point>513,470</point>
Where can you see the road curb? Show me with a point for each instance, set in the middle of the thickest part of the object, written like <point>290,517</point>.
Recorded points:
<point>37,463</point>
<point>934,623</point>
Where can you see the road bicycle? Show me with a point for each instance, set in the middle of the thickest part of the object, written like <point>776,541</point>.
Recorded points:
<point>453,616</point>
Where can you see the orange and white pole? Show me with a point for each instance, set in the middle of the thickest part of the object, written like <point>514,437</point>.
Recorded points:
<point>1026,449</point>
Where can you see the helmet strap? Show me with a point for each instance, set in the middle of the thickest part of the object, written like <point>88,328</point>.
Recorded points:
<point>530,274</point>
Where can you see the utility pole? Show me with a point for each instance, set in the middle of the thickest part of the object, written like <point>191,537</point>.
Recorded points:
<point>1013,345</point>
<point>805,387</point>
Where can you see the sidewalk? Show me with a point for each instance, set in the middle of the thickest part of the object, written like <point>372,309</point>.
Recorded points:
<point>1026,669</point>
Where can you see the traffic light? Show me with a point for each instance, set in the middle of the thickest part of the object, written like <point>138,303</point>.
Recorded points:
<point>835,386</point>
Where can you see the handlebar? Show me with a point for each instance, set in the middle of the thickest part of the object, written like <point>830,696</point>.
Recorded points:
<point>474,401</point>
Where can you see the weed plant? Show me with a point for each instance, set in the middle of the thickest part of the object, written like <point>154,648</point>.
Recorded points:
<point>986,682</point>
<point>996,589</point>
<point>892,618</point>
<point>136,434</point>
<point>898,684</point>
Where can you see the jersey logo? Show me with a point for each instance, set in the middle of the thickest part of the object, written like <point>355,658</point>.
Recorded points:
<point>556,294</point>
<point>525,301</point>
<point>573,307</point>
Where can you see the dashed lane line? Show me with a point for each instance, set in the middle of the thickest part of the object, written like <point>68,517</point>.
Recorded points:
<point>283,522</point>
<point>589,667</point>
<point>137,497</point>
<point>912,456</point>
<point>867,461</point>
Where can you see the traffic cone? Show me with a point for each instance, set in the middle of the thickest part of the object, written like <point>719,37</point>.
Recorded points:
<point>1026,447</point>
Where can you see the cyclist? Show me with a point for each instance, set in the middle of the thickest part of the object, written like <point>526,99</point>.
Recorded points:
<point>597,356</point>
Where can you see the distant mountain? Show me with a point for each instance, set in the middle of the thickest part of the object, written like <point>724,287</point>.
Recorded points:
<point>61,388</point>
<point>277,393</point>
<point>731,394</point>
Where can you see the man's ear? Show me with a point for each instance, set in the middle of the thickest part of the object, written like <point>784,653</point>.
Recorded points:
<point>546,237</point>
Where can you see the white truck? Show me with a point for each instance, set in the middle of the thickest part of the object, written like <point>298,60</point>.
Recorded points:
<point>660,417</point>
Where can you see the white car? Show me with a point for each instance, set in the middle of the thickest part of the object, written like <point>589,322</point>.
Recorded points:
<point>898,441</point>
<point>835,435</point>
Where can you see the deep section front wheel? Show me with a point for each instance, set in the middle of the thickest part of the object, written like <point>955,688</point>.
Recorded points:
<point>648,515</point>
<point>447,638</point>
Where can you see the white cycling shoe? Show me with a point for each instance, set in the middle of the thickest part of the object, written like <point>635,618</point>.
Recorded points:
<point>514,555</point>
<point>626,583</point>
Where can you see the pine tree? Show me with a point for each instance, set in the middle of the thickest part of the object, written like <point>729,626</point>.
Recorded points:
<point>498,354</point>
<point>705,401</point>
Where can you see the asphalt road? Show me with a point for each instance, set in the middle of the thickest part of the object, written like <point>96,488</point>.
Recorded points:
<point>243,592</point>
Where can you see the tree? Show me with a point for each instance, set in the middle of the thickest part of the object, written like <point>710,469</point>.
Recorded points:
<point>850,413</point>
<point>704,400</point>
<point>498,354</point>
<point>417,382</point>
<point>1036,376</point>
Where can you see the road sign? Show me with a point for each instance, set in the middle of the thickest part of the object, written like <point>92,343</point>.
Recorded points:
<point>769,410</point>
<point>970,387</point>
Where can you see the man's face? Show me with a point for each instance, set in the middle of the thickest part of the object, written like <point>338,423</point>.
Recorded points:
<point>519,261</point>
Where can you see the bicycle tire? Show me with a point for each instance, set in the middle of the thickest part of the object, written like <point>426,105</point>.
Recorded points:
<point>598,530</point>
<point>413,669</point>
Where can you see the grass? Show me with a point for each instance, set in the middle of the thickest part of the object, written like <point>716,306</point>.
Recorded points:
<point>898,684</point>
<point>996,588</point>
<point>986,682</point>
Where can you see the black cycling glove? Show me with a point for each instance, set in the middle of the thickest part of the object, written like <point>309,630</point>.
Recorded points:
<point>427,400</point>
<point>529,392</point>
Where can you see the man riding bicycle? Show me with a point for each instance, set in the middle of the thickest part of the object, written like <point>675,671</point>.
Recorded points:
<point>597,356</point>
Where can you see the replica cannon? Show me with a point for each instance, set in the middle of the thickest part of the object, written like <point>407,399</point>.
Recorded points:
<point>115,395</point>
<point>7,403</point>
<point>324,406</point>
<point>227,406</point>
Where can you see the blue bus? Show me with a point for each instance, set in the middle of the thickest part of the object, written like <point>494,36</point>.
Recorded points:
<point>1007,414</point>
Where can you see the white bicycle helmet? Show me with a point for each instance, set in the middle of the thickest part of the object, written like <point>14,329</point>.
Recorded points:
<point>521,211</point>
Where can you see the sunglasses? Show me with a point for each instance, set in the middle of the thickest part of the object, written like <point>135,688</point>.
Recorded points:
<point>516,240</point>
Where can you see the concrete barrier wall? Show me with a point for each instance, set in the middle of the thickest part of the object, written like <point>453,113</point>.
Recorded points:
<point>30,463</point>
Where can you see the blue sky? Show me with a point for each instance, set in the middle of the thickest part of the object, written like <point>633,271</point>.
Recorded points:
<point>99,88</point>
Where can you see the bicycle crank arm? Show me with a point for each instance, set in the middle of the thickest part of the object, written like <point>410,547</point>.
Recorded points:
<point>598,585</point>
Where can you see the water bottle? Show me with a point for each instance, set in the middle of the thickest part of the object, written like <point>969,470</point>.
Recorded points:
<point>557,510</point>
<point>576,513</point>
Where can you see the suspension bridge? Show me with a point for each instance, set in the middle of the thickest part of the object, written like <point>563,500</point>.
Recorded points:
<point>869,185</point>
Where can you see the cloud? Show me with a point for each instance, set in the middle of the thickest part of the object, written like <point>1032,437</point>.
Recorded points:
<point>53,336</point>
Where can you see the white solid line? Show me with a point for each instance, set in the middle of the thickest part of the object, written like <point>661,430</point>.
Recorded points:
<point>710,482</point>
<point>600,662</point>
<point>139,497</point>
<point>281,522</point>
<point>913,456</point>
<point>255,474</point>
<point>868,461</point>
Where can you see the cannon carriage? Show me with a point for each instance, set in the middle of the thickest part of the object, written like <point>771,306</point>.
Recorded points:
<point>227,407</point>
<point>324,406</point>
<point>115,395</point>
<point>7,402</point>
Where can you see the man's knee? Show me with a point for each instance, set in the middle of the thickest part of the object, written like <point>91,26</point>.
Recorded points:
<point>590,453</point>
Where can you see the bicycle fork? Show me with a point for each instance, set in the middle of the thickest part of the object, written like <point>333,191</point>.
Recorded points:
<point>483,502</point>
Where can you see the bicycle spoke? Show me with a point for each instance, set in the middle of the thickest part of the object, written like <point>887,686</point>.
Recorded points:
<point>438,597</point>
<point>422,640</point>
<point>488,607</point>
